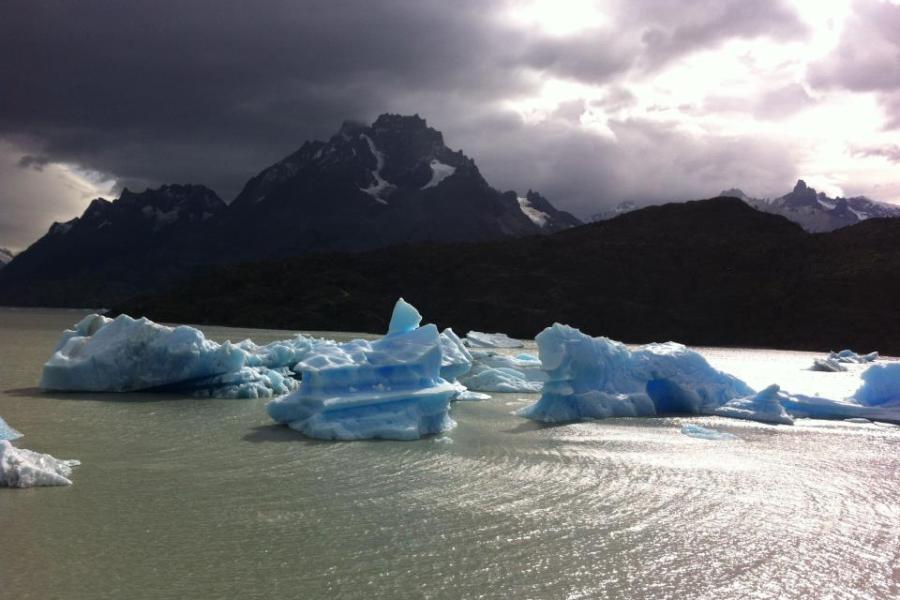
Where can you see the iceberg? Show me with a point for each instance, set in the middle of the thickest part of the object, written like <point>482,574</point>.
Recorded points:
<point>764,407</point>
<point>456,360</point>
<point>595,378</point>
<point>828,365</point>
<point>881,385</point>
<point>389,388</point>
<point>478,339</point>
<point>124,355</point>
<point>23,468</point>
<point>706,433</point>
<point>493,372</point>
<point>849,356</point>
<point>7,432</point>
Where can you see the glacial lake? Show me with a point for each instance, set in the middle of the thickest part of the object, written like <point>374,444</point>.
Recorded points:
<point>185,498</point>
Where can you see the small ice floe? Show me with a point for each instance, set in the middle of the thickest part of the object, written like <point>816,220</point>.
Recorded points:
<point>478,339</point>
<point>849,356</point>
<point>859,420</point>
<point>23,468</point>
<point>469,395</point>
<point>763,407</point>
<point>706,433</point>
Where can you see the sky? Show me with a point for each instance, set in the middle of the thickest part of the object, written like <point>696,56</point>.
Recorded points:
<point>590,102</point>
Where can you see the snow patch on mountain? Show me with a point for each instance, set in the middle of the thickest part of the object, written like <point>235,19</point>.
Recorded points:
<point>5,257</point>
<point>439,172</point>
<point>376,189</point>
<point>537,217</point>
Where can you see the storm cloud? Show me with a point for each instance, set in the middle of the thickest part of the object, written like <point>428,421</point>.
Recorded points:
<point>142,93</point>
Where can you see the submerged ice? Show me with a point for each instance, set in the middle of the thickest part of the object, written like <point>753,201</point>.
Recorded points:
<point>390,388</point>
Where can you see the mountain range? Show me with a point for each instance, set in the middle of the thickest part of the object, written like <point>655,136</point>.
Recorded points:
<point>368,186</point>
<point>814,211</point>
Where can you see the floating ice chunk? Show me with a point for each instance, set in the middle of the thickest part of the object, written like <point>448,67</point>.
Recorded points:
<point>849,356</point>
<point>598,378</point>
<point>7,432</point>
<point>405,318</point>
<point>24,468</point>
<point>881,385</point>
<point>478,339</point>
<point>705,433</point>
<point>828,365</point>
<point>470,395</point>
<point>390,388</point>
<point>125,354</point>
<point>859,420</point>
<point>764,407</point>
<point>456,360</point>
<point>493,372</point>
<point>128,354</point>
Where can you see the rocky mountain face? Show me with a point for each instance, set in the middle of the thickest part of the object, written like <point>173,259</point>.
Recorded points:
<point>5,257</point>
<point>710,272</point>
<point>815,211</point>
<point>368,186</point>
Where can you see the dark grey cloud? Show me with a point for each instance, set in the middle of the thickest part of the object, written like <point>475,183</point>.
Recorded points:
<point>212,91</point>
<point>890,152</point>
<point>30,161</point>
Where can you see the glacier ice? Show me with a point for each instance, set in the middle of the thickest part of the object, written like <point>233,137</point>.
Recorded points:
<point>7,432</point>
<point>23,468</point>
<point>849,356</point>
<point>493,372</point>
<point>764,407</point>
<point>456,360</point>
<point>593,378</point>
<point>881,385</point>
<point>389,388</point>
<point>478,339</point>
<point>404,319</point>
<point>706,433</point>
<point>124,354</point>
<point>828,365</point>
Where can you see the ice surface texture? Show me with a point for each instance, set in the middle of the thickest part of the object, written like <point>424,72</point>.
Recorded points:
<point>477,339</point>
<point>126,354</point>
<point>849,356</point>
<point>492,372</point>
<point>390,388</point>
<point>24,468</point>
<point>7,432</point>
<point>595,378</point>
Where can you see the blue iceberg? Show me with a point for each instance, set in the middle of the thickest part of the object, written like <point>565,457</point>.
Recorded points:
<point>21,468</point>
<point>456,360</point>
<point>124,354</point>
<point>595,378</point>
<point>391,388</point>
<point>7,432</point>
<point>849,356</point>
<point>493,372</point>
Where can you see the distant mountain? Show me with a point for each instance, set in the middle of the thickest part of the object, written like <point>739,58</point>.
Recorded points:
<point>710,272</point>
<point>815,211</point>
<point>5,257</point>
<point>373,186</point>
<point>394,182</point>
<point>619,209</point>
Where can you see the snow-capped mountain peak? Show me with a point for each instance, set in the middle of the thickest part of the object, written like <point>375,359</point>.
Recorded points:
<point>817,212</point>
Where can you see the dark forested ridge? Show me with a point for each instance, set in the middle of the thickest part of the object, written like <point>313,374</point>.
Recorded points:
<point>710,272</point>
